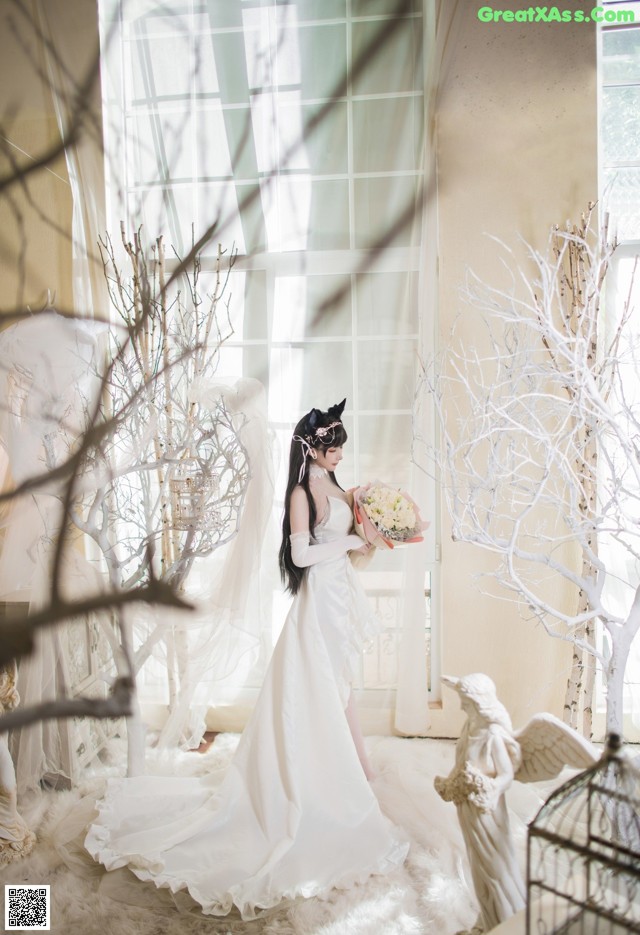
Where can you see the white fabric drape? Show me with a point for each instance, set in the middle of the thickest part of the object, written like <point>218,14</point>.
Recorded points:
<point>48,367</point>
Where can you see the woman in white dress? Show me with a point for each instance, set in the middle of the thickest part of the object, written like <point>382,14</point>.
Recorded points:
<point>295,814</point>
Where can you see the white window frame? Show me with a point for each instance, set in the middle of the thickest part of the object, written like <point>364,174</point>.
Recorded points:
<point>316,262</point>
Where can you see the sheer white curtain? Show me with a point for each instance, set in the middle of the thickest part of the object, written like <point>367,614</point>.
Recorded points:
<point>48,366</point>
<point>299,129</point>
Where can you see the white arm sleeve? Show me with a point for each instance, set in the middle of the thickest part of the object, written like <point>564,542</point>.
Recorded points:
<point>305,553</point>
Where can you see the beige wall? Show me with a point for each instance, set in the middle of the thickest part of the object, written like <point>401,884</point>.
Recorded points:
<point>35,224</point>
<point>516,132</point>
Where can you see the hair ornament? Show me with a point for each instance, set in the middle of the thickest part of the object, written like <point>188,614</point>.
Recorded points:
<point>316,434</point>
<point>309,442</point>
<point>324,429</point>
<point>306,451</point>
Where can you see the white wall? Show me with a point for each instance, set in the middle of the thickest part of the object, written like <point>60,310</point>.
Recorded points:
<point>517,132</point>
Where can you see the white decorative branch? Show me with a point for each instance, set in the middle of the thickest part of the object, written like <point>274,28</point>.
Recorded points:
<point>539,450</point>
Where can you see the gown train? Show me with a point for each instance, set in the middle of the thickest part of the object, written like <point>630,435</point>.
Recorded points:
<point>294,815</point>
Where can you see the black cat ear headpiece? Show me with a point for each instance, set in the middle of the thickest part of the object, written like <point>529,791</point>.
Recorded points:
<point>337,410</point>
<point>313,418</point>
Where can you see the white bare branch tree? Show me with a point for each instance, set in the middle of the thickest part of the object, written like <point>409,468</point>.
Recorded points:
<point>540,449</point>
<point>167,486</point>
<point>139,465</point>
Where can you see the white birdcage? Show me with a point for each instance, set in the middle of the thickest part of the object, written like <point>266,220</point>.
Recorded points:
<point>583,858</point>
<point>195,497</point>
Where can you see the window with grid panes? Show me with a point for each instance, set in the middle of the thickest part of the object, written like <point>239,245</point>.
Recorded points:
<point>206,104</point>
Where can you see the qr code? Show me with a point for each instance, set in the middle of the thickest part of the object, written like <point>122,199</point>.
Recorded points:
<point>26,908</point>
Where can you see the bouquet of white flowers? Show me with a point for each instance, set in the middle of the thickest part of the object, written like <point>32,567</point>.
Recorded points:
<point>384,516</point>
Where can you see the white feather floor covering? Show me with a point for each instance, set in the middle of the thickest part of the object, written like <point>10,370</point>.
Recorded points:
<point>430,894</point>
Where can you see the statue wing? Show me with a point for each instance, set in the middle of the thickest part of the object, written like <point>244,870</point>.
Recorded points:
<point>548,745</point>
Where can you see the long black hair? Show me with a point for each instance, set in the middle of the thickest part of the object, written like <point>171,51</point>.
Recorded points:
<point>319,430</point>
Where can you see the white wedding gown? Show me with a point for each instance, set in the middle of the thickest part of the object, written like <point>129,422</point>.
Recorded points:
<point>294,815</point>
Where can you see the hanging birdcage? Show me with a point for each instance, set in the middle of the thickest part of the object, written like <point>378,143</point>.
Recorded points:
<point>195,496</point>
<point>583,856</point>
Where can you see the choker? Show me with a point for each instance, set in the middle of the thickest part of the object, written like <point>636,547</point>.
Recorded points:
<point>315,471</point>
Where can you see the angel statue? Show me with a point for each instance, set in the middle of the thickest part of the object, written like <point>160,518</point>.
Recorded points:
<point>489,756</point>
